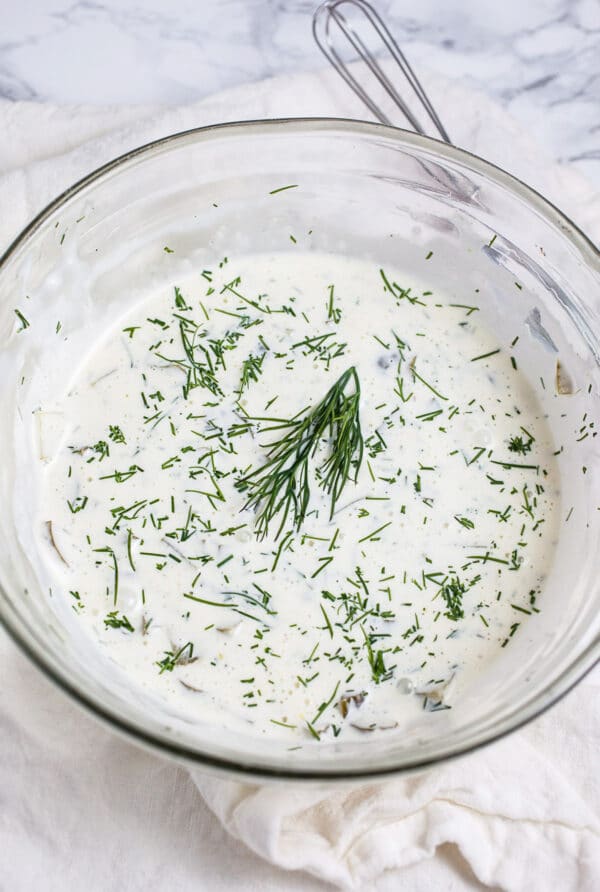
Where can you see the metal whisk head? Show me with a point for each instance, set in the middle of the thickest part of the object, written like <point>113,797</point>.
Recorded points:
<point>330,20</point>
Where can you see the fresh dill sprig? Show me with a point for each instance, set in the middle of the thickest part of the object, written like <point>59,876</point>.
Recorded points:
<point>176,657</point>
<point>375,658</point>
<point>198,363</point>
<point>282,484</point>
<point>78,504</point>
<point>251,370</point>
<point>452,592</point>
<point>114,621</point>
<point>101,449</point>
<point>520,445</point>
<point>334,314</point>
<point>23,320</point>
<point>116,434</point>
<point>122,476</point>
<point>321,348</point>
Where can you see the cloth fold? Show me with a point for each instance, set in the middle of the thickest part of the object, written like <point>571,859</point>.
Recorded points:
<point>515,817</point>
<point>521,814</point>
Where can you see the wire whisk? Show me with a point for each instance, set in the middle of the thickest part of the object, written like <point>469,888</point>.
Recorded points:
<point>329,18</point>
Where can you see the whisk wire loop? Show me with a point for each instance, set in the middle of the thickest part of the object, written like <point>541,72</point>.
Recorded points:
<point>330,14</point>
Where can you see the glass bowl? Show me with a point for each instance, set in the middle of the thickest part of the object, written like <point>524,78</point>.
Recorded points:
<point>367,191</point>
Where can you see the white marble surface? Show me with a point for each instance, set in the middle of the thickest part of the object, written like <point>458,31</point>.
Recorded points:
<point>539,58</point>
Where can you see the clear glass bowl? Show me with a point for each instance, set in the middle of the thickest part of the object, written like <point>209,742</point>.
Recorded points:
<point>368,191</point>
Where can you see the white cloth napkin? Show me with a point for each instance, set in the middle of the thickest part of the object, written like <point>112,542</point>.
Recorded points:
<point>83,809</point>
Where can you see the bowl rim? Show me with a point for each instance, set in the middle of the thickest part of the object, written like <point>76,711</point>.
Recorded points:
<point>164,744</point>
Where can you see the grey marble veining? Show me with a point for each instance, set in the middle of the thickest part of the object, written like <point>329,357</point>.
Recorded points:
<point>539,58</point>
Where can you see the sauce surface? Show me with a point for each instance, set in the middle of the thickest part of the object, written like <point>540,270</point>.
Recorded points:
<point>299,493</point>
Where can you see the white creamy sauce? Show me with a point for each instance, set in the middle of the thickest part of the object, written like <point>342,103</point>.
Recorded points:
<point>431,560</point>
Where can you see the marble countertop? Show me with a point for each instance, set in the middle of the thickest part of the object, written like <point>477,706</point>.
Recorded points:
<point>539,59</point>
